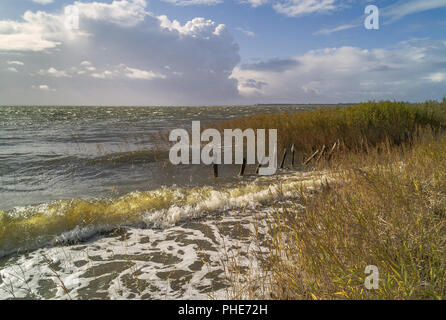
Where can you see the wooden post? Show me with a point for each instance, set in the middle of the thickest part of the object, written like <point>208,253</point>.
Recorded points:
<point>311,158</point>
<point>292,156</point>
<point>215,166</point>
<point>285,151</point>
<point>242,168</point>
<point>324,148</point>
<point>259,166</point>
<point>330,154</point>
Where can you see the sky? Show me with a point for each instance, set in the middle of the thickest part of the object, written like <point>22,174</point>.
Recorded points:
<point>220,52</point>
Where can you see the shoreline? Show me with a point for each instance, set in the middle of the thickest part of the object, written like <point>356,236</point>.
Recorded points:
<point>158,249</point>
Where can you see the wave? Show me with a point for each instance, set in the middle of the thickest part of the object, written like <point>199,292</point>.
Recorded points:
<point>67,221</point>
<point>66,164</point>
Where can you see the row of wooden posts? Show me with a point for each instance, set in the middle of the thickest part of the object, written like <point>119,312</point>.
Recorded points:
<point>316,157</point>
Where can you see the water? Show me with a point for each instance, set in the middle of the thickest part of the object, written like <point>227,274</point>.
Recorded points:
<point>54,153</point>
<point>76,178</point>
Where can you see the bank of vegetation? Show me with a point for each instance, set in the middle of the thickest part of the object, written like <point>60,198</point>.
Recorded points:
<point>387,207</point>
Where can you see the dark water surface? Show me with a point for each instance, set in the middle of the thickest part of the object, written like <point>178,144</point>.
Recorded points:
<point>59,153</point>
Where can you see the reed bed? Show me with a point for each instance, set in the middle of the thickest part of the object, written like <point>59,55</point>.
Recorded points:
<point>387,208</point>
<point>368,123</point>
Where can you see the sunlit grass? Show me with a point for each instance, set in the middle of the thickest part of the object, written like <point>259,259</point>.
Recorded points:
<point>387,208</point>
<point>368,123</point>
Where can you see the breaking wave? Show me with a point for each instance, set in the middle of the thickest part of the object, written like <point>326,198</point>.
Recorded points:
<point>68,221</point>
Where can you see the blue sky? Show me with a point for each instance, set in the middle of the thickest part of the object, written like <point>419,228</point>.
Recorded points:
<point>207,52</point>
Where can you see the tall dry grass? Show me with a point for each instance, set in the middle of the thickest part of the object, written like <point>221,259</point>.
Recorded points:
<point>387,208</point>
<point>368,123</point>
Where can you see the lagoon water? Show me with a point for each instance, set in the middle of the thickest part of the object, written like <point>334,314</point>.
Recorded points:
<point>87,182</point>
<point>54,153</point>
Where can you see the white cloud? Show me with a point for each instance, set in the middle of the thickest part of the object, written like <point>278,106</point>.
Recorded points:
<point>15,62</point>
<point>37,32</point>
<point>255,3</point>
<point>193,2</point>
<point>122,60</point>
<point>411,71</point>
<point>43,1</point>
<point>43,87</point>
<point>133,73</point>
<point>41,31</point>
<point>104,75</point>
<point>11,69</point>
<point>126,13</point>
<point>248,33</point>
<point>197,27</point>
<point>437,77</point>
<point>406,7</point>
<point>54,73</point>
<point>86,66</point>
<point>294,8</point>
<point>336,29</point>
<point>122,71</point>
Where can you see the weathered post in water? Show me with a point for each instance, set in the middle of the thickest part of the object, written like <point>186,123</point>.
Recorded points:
<point>215,166</point>
<point>259,166</point>
<point>292,156</point>
<point>285,151</point>
<point>242,168</point>
<point>324,148</point>
<point>330,154</point>
<point>311,158</point>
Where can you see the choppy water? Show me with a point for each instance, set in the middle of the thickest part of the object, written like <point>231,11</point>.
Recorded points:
<point>54,153</point>
<point>70,174</point>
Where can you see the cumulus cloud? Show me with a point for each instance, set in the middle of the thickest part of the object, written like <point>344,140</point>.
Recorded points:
<point>126,13</point>
<point>198,27</point>
<point>37,32</point>
<point>414,70</point>
<point>123,54</point>
<point>40,31</point>
<point>118,56</point>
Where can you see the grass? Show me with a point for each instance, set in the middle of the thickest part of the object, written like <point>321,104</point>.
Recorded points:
<point>387,208</point>
<point>371,123</point>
